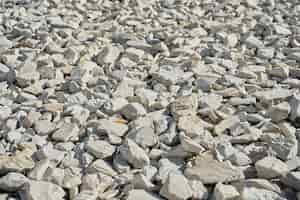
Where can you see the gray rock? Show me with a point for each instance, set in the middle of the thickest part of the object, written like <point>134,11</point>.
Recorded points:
<point>292,179</point>
<point>295,107</point>
<point>133,110</point>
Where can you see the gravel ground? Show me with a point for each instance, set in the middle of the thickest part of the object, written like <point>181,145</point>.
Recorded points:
<point>149,99</point>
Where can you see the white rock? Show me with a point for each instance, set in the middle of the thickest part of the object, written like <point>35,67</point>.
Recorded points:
<point>199,190</point>
<point>174,191</point>
<point>225,192</point>
<point>270,167</point>
<point>141,194</point>
<point>67,132</point>
<point>100,148</point>
<point>36,190</point>
<point>12,182</point>
<point>134,154</point>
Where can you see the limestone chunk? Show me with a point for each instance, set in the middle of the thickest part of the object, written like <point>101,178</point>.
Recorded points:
<point>174,191</point>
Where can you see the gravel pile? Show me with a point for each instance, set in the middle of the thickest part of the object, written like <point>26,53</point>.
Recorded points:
<point>149,100</point>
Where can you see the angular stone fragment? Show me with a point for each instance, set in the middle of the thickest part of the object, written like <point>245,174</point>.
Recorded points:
<point>101,166</point>
<point>144,136</point>
<point>225,192</point>
<point>295,107</point>
<point>257,183</point>
<point>253,42</point>
<point>133,110</point>
<point>282,72</point>
<point>44,127</point>
<point>168,75</point>
<point>199,190</point>
<point>279,112</point>
<point>86,195</point>
<point>67,132</point>
<point>12,182</point>
<point>285,148</point>
<point>110,127</point>
<point>37,190</point>
<point>39,170</point>
<point>19,162</point>
<point>166,166</point>
<point>134,154</point>
<point>212,101</point>
<point>185,105</point>
<point>270,167</point>
<point>281,30</point>
<point>292,179</point>
<point>273,94</point>
<point>100,148</point>
<point>174,191</point>
<point>255,193</point>
<point>191,125</point>
<point>212,171</point>
<point>54,175</point>
<point>142,194</point>
<point>108,55</point>
<point>226,124</point>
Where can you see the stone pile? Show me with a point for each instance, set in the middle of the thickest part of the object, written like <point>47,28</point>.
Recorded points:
<point>149,100</point>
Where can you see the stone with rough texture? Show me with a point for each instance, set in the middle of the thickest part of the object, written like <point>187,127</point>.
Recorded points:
<point>172,190</point>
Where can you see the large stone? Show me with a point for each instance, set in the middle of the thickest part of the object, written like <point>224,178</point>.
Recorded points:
<point>100,148</point>
<point>37,190</point>
<point>226,124</point>
<point>185,105</point>
<point>142,194</point>
<point>192,125</point>
<point>134,154</point>
<point>133,110</point>
<point>273,94</point>
<point>144,136</point>
<point>270,167</point>
<point>19,162</point>
<point>67,132</point>
<point>111,127</point>
<point>252,193</point>
<point>174,191</point>
<point>12,182</point>
<point>225,192</point>
<point>292,179</point>
<point>211,172</point>
<point>279,112</point>
<point>295,107</point>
